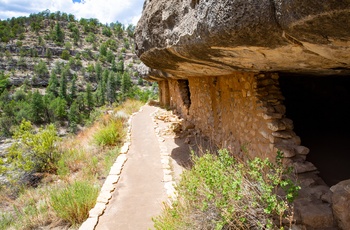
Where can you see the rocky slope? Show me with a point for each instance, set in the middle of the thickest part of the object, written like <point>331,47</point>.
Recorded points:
<point>20,52</point>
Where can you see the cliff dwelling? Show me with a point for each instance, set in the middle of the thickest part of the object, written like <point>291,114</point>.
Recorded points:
<point>260,77</point>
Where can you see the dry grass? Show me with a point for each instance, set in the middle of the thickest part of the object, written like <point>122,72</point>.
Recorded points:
<point>82,160</point>
<point>130,106</point>
<point>30,209</point>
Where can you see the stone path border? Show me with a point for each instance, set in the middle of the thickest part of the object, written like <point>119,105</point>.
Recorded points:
<point>169,183</point>
<point>115,171</point>
<point>110,183</point>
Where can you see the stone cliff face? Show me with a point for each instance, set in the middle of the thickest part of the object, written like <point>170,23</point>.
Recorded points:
<point>218,63</point>
<point>197,37</point>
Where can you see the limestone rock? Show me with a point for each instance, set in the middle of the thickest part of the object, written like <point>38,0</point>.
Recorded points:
<point>302,150</point>
<point>288,150</point>
<point>287,122</point>
<point>208,38</point>
<point>341,203</point>
<point>276,125</point>
<point>89,224</point>
<point>97,210</point>
<point>283,134</point>
<point>317,215</point>
<point>301,167</point>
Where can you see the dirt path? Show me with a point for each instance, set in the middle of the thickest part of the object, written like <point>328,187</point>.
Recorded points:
<point>140,191</point>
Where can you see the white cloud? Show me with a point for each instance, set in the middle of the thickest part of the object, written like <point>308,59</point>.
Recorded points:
<point>106,11</point>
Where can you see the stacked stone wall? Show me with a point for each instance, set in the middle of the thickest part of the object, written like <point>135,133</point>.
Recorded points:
<point>164,96</point>
<point>179,97</point>
<point>243,112</point>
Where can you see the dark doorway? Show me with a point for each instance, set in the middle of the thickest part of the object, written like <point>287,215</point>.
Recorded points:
<point>185,92</point>
<point>320,110</point>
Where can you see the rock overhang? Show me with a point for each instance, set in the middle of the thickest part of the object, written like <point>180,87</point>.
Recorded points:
<point>212,38</point>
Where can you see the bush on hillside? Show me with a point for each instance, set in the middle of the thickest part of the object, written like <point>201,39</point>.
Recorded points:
<point>33,151</point>
<point>65,55</point>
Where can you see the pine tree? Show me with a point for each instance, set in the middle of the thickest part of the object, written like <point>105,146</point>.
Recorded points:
<point>111,88</point>
<point>89,97</point>
<point>63,86</point>
<point>114,66</point>
<point>48,53</point>
<point>120,66</point>
<point>76,35</point>
<point>140,81</point>
<point>73,88</point>
<point>48,114</point>
<point>53,85</point>
<point>3,81</point>
<point>36,107</point>
<point>110,56</point>
<point>58,109</point>
<point>103,49</point>
<point>58,35</point>
<point>4,98</point>
<point>80,100</point>
<point>73,117</point>
<point>100,94</point>
<point>105,75</point>
<point>126,83</point>
<point>98,70</point>
<point>41,69</point>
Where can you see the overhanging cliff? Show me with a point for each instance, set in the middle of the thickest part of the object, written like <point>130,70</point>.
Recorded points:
<point>197,37</point>
<point>218,63</point>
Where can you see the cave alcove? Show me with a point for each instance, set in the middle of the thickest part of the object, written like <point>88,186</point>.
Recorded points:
<point>320,109</point>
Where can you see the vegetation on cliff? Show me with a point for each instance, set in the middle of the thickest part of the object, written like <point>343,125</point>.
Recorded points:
<point>65,96</point>
<point>56,69</point>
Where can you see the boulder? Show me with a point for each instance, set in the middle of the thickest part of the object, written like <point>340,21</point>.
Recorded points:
<point>215,37</point>
<point>341,203</point>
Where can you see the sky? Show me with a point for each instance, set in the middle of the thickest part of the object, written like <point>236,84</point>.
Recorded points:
<point>106,11</point>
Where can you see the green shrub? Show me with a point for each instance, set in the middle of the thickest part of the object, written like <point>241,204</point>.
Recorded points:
<point>74,202</point>
<point>220,192</point>
<point>4,81</point>
<point>110,133</point>
<point>6,219</point>
<point>65,55</point>
<point>90,37</point>
<point>142,95</point>
<point>33,152</point>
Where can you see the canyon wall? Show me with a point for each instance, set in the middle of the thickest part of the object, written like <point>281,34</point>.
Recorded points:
<point>218,64</point>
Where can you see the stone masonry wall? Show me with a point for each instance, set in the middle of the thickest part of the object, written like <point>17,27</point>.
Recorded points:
<point>243,112</point>
<point>179,97</point>
<point>164,96</point>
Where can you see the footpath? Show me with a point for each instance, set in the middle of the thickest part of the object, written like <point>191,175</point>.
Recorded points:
<point>145,179</point>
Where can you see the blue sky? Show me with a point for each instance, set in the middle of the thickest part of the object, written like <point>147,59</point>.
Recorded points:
<point>106,11</point>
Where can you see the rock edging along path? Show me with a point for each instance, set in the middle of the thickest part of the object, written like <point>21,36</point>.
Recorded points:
<point>143,185</point>
<point>109,184</point>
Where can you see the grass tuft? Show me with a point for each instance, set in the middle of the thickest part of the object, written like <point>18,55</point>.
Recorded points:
<point>73,203</point>
<point>110,133</point>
